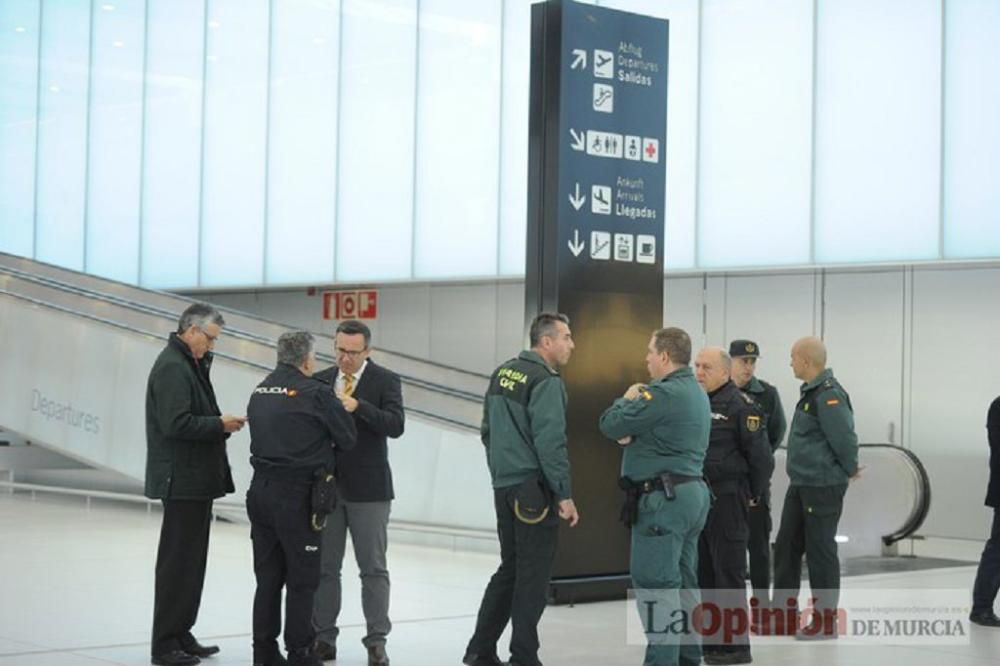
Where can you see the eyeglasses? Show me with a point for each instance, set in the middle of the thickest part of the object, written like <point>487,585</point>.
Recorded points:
<point>211,338</point>
<point>350,353</point>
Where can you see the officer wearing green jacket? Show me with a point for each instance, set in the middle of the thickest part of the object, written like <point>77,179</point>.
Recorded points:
<point>664,428</point>
<point>745,354</point>
<point>524,431</point>
<point>822,458</point>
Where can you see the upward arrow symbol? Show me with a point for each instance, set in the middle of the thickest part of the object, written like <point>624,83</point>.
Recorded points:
<point>580,58</point>
<point>577,200</point>
<point>575,246</point>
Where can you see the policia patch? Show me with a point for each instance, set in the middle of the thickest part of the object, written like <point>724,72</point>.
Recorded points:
<point>753,423</point>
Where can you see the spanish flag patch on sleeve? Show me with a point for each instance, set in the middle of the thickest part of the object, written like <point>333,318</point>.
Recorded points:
<point>833,401</point>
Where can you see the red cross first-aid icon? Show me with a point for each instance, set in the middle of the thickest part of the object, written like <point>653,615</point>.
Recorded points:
<point>650,150</point>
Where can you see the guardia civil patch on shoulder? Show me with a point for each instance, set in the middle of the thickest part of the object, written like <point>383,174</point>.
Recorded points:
<point>646,394</point>
<point>753,423</point>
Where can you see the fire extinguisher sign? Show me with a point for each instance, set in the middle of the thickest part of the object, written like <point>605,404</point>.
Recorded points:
<point>351,304</point>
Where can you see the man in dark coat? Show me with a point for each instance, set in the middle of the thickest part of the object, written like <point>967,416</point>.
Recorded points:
<point>984,592</point>
<point>738,465</point>
<point>186,468</point>
<point>372,395</point>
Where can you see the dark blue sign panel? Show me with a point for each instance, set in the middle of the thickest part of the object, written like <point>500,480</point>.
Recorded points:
<point>612,171</point>
<point>595,244</point>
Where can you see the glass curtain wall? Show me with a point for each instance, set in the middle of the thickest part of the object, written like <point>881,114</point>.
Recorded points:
<point>242,143</point>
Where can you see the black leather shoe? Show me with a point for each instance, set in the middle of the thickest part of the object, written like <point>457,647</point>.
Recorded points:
<point>175,658</point>
<point>473,659</point>
<point>987,619</point>
<point>377,656</point>
<point>192,646</point>
<point>278,660</point>
<point>324,650</point>
<point>304,657</point>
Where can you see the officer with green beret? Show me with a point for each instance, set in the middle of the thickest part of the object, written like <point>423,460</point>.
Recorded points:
<point>822,459</point>
<point>664,428</point>
<point>745,354</point>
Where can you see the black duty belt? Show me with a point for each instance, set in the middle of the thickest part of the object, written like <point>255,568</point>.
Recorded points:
<point>665,482</point>
<point>652,485</point>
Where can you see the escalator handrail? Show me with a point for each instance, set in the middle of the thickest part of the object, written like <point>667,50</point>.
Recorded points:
<point>236,333</point>
<point>186,299</point>
<point>464,427</point>
<point>919,514</point>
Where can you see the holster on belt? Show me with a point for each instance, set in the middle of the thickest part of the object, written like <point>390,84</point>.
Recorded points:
<point>323,498</point>
<point>665,482</point>
<point>630,509</point>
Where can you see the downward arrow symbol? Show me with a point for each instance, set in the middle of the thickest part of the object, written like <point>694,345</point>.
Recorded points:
<point>579,140</point>
<point>579,59</point>
<point>576,199</point>
<point>575,246</point>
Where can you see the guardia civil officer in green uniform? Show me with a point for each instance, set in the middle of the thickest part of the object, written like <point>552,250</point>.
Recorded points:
<point>664,429</point>
<point>524,431</point>
<point>745,354</point>
<point>822,458</point>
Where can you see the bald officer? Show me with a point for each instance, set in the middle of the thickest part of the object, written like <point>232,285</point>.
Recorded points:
<point>822,458</point>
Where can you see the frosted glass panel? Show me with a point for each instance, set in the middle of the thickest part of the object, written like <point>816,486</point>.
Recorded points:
<point>375,215</point>
<point>458,121</point>
<point>682,123</point>
<point>756,132</point>
<point>115,140</point>
<point>233,194</point>
<point>971,131</point>
<point>62,132</point>
<point>302,164</point>
<point>18,87</point>
<point>516,74</point>
<point>171,185</point>
<point>878,129</point>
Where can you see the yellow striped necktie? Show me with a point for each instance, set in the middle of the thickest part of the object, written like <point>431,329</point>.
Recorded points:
<point>348,384</point>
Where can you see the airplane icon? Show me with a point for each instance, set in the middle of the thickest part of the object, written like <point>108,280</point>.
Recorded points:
<point>600,199</point>
<point>604,64</point>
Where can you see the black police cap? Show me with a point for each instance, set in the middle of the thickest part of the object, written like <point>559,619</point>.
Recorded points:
<point>744,348</point>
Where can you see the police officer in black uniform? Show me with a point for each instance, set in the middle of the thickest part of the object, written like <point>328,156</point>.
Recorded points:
<point>738,465</point>
<point>295,423</point>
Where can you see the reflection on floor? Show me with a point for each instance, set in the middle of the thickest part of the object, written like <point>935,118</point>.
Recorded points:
<point>866,566</point>
<point>77,590</point>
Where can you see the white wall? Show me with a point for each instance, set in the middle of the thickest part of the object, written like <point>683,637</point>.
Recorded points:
<point>912,345</point>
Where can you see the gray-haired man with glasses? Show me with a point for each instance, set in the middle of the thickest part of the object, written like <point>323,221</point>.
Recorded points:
<point>187,468</point>
<point>372,395</point>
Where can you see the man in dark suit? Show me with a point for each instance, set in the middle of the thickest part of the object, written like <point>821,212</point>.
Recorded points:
<point>186,468</point>
<point>372,395</point>
<point>984,591</point>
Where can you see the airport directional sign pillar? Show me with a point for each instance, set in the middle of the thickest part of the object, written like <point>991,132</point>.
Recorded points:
<point>595,246</point>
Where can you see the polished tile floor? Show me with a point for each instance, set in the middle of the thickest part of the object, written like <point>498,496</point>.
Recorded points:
<point>76,590</point>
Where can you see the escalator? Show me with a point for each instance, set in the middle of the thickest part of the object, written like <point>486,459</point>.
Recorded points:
<point>887,504</point>
<point>75,352</point>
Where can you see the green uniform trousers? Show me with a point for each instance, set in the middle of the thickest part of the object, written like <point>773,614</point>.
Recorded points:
<point>808,526</point>
<point>664,568</point>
